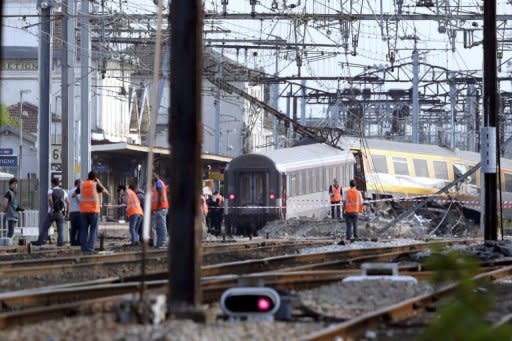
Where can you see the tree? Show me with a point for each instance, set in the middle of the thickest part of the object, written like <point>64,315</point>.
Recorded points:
<point>5,117</point>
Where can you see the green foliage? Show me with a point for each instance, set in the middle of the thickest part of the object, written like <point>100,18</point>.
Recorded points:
<point>464,318</point>
<point>6,119</point>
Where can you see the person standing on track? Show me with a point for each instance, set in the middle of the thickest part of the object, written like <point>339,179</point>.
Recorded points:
<point>352,206</point>
<point>10,207</point>
<point>134,213</point>
<point>58,207</point>
<point>74,214</point>
<point>159,209</point>
<point>90,211</point>
<point>335,193</point>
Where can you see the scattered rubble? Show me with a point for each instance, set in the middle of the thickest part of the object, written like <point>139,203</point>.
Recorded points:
<point>435,220</point>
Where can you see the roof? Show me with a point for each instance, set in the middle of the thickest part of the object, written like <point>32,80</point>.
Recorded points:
<point>127,148</point>
<point>16,132</point>
<point>288,159</point>
<point>404,147</point>
<point>19,52</point>
<point>30,121</point>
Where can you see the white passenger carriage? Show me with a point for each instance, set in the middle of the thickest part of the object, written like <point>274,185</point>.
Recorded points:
<point>283,183</point>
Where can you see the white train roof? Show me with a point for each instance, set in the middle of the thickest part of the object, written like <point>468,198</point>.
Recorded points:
<point>307,156</point>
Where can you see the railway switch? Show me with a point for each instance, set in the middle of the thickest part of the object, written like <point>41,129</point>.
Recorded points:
<point>250,303</point>
<point>380,271</point>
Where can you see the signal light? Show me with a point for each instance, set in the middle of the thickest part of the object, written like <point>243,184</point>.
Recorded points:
<point>272,196</point>
<point>231,196</point>
<point>252,303</point>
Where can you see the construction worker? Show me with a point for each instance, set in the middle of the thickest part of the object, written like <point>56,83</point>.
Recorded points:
<point>159,209</point>
<point>90,211</point>
<point>134,213</point>
<point>58,208</point>
<point>10,206</point>
<point>352,206</point>
<point>335,193</point>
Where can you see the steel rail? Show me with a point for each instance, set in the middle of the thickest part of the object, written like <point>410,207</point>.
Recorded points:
<point>354,328</point>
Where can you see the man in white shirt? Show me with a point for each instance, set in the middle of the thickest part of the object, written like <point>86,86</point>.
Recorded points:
<point>58,205</point>
<point>74,214</point>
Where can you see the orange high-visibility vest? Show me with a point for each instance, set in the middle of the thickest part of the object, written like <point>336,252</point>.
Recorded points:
<point>132,204</point>
<point>336,193</point>
<point>89,200</point>
<point>154,198</point>
<point>353,203</point>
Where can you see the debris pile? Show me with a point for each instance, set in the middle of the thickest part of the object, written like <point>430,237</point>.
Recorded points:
<point>433,220</point>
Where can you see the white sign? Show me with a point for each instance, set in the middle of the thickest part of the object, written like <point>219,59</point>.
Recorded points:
<point>56,153</point>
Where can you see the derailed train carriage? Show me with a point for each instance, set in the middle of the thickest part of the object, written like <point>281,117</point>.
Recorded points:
<point>283,183</point>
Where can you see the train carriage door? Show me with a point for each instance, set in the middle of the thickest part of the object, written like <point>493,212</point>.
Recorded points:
<point>359,175</point>
<point>253,188</point>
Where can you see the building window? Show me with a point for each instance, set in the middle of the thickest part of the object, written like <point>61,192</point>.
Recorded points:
<point>420,168</point>
<point>401,166</point>
<point>379,164</point>
<point>440,170</point>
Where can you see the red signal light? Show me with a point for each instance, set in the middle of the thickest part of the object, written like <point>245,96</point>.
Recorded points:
<point>250,302</point>
<point>231,196</point>
<point>264,304</point>
<point>272,196</point>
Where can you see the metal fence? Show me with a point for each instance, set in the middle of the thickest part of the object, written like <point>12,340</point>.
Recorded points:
<point>27,226</point>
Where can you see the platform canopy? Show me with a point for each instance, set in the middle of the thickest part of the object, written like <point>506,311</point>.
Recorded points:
<point>5,176</point>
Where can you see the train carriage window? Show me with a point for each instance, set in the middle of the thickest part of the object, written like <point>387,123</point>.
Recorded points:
<point>316,177</point>
<point>379,163</point>
<point>401,166</point>
<point>323,182</point>
<point>292,191</point>
<point>475,175</point>
<point>508,182</point>
<point>440,170</point>
<point>421,168</point>
<point>304,184</point>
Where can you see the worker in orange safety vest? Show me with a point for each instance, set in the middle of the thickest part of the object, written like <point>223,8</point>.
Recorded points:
<point>352,206</point>
<point>159,209</point>
<point>335,193</point>
<point>90,211</point>
<point>134,213</point>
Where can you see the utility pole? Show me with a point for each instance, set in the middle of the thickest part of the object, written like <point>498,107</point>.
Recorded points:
<point>218,77</point>
<point>85,122</point>
<point>415,96</point>
<point>45,9</point>
<point>289,114</point>
<point>472,109</point>
<point>488,136</point>
<point>303,103</point>
<point>68,92</point>
<point>20,153</point>
<point>453,108</point>
<point>185,251</point>
<point>275,104</point>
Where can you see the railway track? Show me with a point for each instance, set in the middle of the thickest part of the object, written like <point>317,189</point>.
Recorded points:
<point>32,303</point>
<point>355,328</point>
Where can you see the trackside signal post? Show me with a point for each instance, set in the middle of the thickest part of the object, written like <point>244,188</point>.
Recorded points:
<point>488,135</point>
<point>185,141</point>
